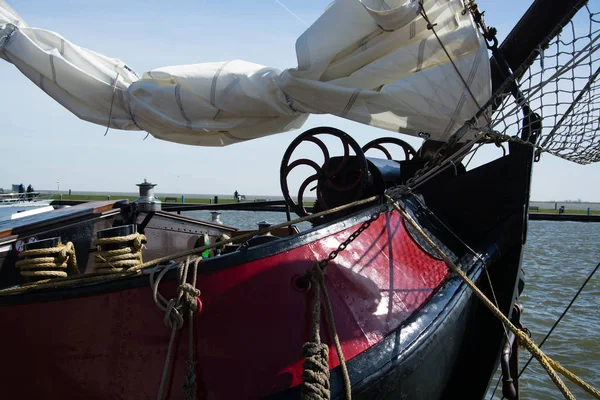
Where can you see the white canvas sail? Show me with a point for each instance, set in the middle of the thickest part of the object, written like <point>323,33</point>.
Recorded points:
<point>371,61</point>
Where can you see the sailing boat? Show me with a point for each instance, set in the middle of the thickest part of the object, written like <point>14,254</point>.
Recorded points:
<point>368,301</point>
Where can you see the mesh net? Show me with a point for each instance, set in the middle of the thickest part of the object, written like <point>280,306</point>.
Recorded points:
<point>562,86</point>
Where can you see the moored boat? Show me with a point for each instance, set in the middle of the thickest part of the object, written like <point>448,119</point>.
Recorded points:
<point>260,313</point>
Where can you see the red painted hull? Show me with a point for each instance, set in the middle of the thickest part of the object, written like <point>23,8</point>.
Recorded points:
<point>248,337</point>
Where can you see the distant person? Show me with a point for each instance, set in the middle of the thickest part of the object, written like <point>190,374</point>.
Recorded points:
<point>30,191</point>
<point>235,194</point>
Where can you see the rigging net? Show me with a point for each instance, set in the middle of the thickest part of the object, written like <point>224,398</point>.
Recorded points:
<point>561,85</point>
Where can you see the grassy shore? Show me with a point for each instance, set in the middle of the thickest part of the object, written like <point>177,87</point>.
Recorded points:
<point>198,200</point>
<point>567,211</point>
<point>190,200</point>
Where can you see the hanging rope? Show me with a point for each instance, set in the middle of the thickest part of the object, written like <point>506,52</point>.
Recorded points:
<point>187,301</point>
<point>51,262</point>
<point>119,260</point>
<point>316,366</point>
<point>549,365</point>
<point>315,377</point>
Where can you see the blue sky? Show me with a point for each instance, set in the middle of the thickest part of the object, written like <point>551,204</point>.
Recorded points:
<point>43,143</point>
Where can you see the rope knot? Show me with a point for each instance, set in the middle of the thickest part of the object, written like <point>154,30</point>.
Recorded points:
<point>191,297</point>
<point>315,376</point>
<point>173,317</point>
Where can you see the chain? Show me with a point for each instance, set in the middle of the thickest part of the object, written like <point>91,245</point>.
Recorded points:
<point>323,263</point>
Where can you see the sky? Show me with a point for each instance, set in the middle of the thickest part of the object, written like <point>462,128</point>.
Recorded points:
<point>44,144</point>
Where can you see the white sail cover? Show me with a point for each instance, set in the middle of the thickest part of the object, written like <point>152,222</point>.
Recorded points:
<point>371,61</point>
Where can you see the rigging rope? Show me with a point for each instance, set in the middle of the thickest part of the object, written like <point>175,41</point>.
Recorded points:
<point>549,365</point>
<point>562,315</point>
<point>431,26</point>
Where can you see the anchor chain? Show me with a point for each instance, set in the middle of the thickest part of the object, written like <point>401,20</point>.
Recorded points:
<point>323,263</point>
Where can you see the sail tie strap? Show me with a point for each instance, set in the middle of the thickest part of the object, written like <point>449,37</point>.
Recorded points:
<point>50,262</point>
<point>315,378</point>
<point>187,300</point>
<point>549,365</point>
<point>119,260</point>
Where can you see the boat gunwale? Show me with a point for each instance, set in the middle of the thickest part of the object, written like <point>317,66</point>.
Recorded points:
<point>213,264</point>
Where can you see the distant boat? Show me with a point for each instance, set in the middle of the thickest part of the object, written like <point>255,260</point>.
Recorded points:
<point>31,199</point>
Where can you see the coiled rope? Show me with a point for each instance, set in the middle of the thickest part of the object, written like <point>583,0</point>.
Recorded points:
<point>549,365</point>
<point>187,301</point>
<point>51,262</point>
<point>119,260</point>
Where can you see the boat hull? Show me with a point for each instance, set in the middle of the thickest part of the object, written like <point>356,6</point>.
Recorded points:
<point>399,316</point>
<point>408,328</point>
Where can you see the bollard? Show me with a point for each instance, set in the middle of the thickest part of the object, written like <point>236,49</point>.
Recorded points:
<point>216,217</point>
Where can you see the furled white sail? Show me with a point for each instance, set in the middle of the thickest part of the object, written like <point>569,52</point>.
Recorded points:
<point>371,61</point>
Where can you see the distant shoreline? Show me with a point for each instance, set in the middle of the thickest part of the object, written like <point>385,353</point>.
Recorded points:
<point>542,204</point>
<point>161,195</point>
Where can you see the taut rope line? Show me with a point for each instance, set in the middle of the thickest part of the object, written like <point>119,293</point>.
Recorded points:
<point>249,235</point>
<point>549,365</point>
<point>137,270</point>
